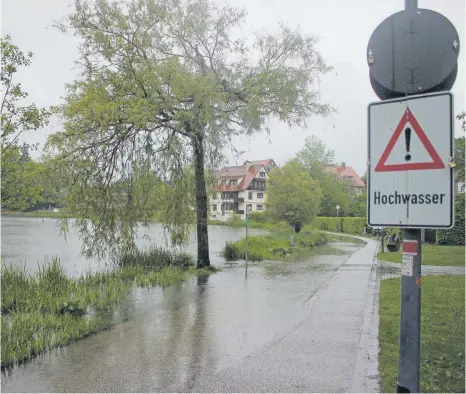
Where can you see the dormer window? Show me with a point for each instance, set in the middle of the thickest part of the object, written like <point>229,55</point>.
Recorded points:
<point>234,182</point>
<point>262,174</point>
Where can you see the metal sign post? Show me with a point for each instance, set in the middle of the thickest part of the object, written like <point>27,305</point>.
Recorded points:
<point>246,251</point>
<point>412,57</point>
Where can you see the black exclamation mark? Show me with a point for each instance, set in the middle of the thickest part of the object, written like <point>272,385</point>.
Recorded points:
<point>408,142</point>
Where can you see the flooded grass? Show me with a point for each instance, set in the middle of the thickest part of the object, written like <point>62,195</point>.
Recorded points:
<point>49,309</point>
<point>274,245</point>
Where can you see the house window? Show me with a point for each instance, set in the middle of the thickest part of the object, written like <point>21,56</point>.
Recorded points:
<point>214,207</point>
<point>233,182</point>
<point>260,195</point>
<point>348,177</point>
<point>214,196</point>
<point>260,207</point>
<point>250,195</point>
<point>262,174</point>
<point>249,207</point>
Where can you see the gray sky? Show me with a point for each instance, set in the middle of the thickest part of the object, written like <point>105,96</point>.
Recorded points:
<point>344,27</point>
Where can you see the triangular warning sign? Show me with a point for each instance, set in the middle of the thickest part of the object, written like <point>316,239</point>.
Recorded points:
<point>435,164</point>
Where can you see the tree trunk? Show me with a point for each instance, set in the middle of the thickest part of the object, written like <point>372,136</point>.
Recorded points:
<point>203,259</point>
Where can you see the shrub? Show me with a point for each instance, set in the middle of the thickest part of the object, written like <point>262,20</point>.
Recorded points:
<point>454,236</point>
<point>258,217</point>
<point>350,225</point>
<point>154,258</point>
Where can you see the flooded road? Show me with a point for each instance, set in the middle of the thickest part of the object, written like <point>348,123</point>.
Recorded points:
<point>28,241</point>
<point>172,339</point>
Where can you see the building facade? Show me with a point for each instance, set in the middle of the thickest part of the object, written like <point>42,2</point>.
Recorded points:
<point>349,175</point>
<point>240,187</point>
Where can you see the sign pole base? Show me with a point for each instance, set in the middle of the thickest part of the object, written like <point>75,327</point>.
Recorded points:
<point>410,322</point>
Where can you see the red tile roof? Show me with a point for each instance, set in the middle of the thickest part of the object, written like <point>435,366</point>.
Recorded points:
<point>343,171</point>
<point>237,172</point>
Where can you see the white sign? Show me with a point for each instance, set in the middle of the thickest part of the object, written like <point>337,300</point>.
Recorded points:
<point>407,265</point>
<point>410,180</point>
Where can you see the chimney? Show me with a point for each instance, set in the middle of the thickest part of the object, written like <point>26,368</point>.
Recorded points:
<point>247,164</point>
<point>343,165</point>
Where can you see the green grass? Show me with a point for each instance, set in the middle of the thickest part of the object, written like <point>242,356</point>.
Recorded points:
<point>38,214</point>
<point>49,309</point>
<point>274,245</point>
<point>432,255</point>
<point>442,334</point>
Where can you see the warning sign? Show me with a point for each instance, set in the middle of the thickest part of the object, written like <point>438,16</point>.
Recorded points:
<point>408,126</point>
<point>410,147</point>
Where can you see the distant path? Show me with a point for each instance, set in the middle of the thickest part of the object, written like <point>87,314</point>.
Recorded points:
<point>387,270</point>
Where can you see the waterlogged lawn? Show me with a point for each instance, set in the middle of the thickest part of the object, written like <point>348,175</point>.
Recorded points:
<point>432,255</point>
<point>273,245</point>
<point>49,309</point>
<point>442,334</point>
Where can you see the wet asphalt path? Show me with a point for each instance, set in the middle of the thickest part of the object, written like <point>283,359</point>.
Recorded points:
<point>288,327</point>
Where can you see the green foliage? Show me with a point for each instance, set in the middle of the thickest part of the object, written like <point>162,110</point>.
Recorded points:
<point>442,334</point>
<point>272,246</point>
<point>349,225</point>
<point>49,309</point>
<point>459,159</point>
<point>259,217</point>
<point>159,91</point>
<point>456,235</point>
<point>22,179</point>
<point>315,158</point>
<point>292,195</point>
<point>21,186</point>
<point>154,258</point>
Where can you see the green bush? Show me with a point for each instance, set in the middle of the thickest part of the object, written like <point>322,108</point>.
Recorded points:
<point>349,225</point>
<point>454,236</point>
<point>272,246</point>
<point>258,217</point>
<point>154,257</point>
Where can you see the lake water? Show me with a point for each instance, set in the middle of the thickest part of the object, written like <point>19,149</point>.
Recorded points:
<point>28,241</point>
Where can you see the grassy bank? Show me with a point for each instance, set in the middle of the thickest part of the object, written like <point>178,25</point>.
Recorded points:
<point>431,255</point>
<point>442,334</point>
<point>50,309</point>
<point>274,245</point>
<point>37,214</point>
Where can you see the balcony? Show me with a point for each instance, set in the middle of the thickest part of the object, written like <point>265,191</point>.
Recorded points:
<point>238,199</point>
<point>255,186</point>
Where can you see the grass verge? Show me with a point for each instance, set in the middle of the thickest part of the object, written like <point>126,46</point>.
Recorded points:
<point>273,245</point>
<point>38,214</point>
<point>432,255</point>
<point>50,309</point>
<point>442,334</point>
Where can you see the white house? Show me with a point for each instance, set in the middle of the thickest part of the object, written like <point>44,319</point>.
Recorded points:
<point>240,186</point>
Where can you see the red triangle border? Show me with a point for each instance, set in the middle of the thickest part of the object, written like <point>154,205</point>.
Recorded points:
<point>436,164</point>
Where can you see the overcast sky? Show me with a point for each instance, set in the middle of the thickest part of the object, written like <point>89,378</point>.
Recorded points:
<point>344,27</point>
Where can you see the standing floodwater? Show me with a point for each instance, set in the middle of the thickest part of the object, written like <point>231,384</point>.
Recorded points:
<point>171,339</point>
<point>27,241</point>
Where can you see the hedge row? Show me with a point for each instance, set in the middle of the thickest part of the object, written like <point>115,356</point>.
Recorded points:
<point>454,236</point>
<point>349,225</point>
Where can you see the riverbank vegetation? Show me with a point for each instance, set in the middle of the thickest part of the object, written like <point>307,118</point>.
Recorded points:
<point>48,309</point>
<point>274,245</point>
<point>442,334</point>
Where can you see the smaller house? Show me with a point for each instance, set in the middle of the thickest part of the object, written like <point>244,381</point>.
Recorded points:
<point>240,188</point>
<point>348,174</point>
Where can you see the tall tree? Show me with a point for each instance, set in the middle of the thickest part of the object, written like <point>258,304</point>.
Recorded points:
<point>315,157</point>
<point>20,185</point>
<point>292,195</point>
<point>165,85</point>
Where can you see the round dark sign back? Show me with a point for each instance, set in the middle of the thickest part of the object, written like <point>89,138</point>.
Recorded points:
<point>413,52</point>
